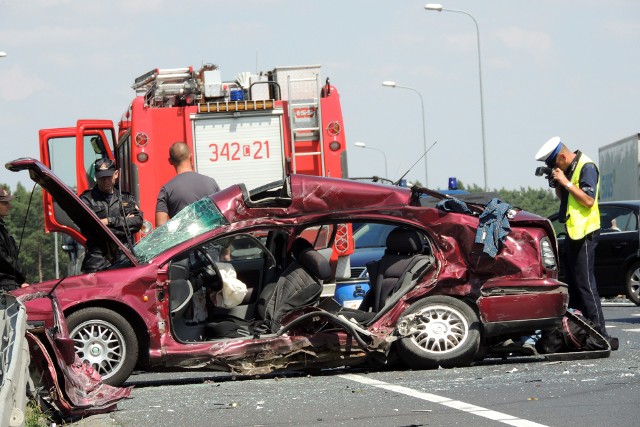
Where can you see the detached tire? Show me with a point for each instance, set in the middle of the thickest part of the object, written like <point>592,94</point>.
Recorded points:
<point>632,285</point>
<point>106,340</point>
<point>446,333</point>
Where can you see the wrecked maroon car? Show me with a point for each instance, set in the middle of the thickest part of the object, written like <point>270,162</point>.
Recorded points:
<point>441,294</point>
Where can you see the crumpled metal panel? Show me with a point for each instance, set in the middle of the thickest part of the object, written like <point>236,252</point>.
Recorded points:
<point>312,196</point>
<point>465,268</point>
<point>300,347</point>
<point>80,390</point>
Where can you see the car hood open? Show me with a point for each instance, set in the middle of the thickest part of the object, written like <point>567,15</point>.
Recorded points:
<point>90,225</point>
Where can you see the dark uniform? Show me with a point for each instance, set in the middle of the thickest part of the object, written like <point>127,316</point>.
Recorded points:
<point>124,219</point>
<point>11,275</point>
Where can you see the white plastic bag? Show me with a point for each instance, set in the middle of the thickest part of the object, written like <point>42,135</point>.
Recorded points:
<point>233,290</point>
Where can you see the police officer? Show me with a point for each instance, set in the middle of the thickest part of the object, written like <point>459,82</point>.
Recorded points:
<point>575,178</point>
<point>11,273</point>
<point>116,210</point>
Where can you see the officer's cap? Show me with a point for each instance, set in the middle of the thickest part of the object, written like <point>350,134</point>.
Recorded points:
<point>104,167</point>
<point>548,152</point>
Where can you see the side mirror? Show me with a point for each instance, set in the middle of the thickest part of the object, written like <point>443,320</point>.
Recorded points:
<point>69,245</point>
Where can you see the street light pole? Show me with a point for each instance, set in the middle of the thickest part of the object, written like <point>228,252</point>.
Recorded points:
<point>363,145</point>
<point>424,131</point>
<point>439,8</point>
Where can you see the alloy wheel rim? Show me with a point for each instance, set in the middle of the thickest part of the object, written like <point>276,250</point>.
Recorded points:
<point>634,285</point>
<point>101,345</point>
<point>441,329</point>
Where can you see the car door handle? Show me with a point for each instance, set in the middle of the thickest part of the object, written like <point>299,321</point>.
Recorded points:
<point>620,245</point>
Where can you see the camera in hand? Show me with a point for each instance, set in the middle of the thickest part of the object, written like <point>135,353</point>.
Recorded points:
<point>543,170</point>
<point>548,174</point>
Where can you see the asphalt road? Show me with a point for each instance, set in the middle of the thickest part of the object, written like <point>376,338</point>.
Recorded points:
<point>518,391</point>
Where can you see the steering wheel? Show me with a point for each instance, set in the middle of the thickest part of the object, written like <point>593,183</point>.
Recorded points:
<point>210,272</point>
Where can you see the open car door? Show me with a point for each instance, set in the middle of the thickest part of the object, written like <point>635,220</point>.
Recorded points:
<point>70,154</point>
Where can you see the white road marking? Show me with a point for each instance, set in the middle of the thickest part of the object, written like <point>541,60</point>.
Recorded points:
<point>455,404</point>
<point>631,330</point>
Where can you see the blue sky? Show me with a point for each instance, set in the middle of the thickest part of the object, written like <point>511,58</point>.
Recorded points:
<point>549,67</point>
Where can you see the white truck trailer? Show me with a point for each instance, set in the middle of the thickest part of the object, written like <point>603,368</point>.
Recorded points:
<point>619,165</point>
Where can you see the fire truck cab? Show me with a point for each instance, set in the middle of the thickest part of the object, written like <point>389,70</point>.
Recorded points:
<point>256,128</point>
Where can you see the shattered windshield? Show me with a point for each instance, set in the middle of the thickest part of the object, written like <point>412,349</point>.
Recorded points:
<point>194,220</point>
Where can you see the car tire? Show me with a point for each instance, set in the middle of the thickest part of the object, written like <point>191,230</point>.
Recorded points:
<point>632,284</point>
<point>447,334</point>
<point>106,340</point>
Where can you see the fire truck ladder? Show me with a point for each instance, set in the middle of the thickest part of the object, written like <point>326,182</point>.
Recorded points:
<point>305,119</point>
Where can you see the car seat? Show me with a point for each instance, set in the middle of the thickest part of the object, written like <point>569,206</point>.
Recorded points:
<point>387,275</point>
<point>180,290</point>
<point>298,286</point>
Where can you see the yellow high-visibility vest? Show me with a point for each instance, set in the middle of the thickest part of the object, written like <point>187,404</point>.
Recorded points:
<point>582,220</point>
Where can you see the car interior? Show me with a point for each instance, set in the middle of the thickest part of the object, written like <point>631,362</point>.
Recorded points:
<point>617,219</point>
<point>283,268</point>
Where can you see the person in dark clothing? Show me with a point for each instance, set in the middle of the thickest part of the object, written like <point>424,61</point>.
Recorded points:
<point>575,179</point>
<point>118,211</point>
<point>11,273</point>
<point>185,188</point>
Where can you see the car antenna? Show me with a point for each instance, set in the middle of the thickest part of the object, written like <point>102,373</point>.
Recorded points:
<point>26,215</point>
<point>127,230</point>
<point>420,158</point>
<point>55,286</point>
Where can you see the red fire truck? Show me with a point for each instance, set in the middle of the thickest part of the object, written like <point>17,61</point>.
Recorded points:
<point>255,129</point>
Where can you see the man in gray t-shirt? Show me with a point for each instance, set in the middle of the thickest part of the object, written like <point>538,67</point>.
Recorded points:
<point>185,188</point>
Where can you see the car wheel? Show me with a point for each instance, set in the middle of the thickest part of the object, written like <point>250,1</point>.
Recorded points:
<point>633,283</point>
<point>444,331</point>
<point>105,340</point>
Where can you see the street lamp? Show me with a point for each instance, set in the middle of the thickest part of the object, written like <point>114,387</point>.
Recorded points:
<point>438,8</point>
<point>363,145</point>
<point>388,83</point>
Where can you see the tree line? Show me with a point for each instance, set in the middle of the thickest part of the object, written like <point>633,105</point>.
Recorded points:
<point>536,200</point>
<point>37,248</point>
<point>26,224</point>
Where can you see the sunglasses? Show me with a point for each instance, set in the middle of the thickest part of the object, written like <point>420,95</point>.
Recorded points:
<point>105,162</point>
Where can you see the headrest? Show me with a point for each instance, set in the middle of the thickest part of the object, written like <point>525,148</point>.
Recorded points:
<point>299,246</point>
<point>317,265</point>
<point>404,241</point>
